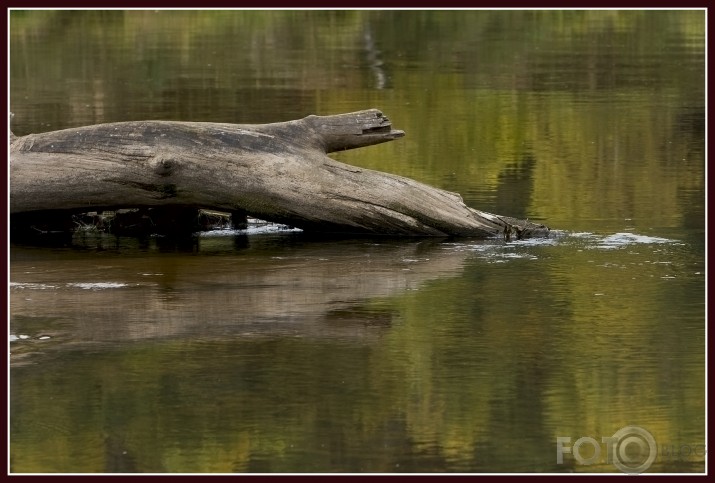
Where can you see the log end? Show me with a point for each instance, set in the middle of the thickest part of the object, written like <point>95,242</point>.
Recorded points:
<point>12,135</point>
<point>353,130</point>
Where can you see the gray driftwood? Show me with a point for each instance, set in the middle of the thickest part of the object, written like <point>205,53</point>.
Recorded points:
<point>277,172</point>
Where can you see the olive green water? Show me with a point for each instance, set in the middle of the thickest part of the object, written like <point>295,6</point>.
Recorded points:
<point>279,352</point>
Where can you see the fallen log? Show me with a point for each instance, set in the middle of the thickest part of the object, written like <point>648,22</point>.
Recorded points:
<point>277,172</point>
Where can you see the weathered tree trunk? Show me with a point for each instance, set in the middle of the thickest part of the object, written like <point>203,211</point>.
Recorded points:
<point>277,172</point>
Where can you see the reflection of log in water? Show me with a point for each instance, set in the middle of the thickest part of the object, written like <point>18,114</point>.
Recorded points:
<point>310,290</point>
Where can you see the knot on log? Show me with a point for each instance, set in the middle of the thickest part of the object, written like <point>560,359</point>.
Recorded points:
<point>164,166</point>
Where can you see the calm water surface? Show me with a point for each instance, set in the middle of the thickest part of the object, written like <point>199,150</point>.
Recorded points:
<point>274,351</point>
